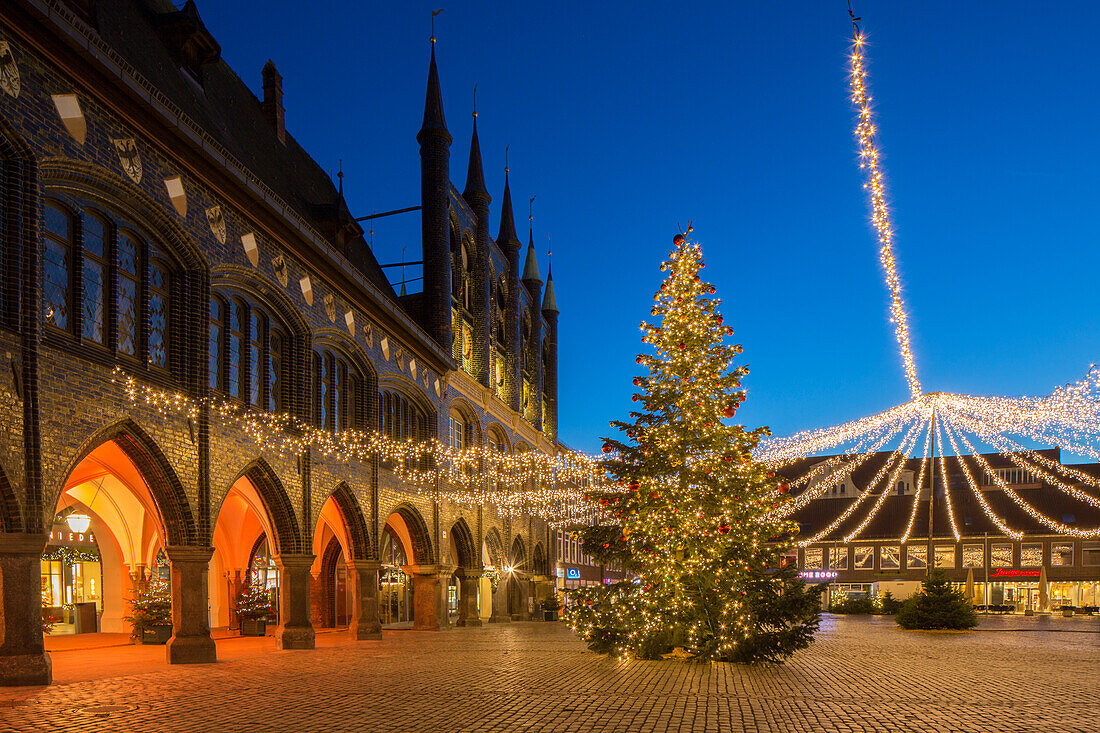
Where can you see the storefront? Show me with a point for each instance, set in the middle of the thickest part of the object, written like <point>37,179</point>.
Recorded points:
<point>72,579</point>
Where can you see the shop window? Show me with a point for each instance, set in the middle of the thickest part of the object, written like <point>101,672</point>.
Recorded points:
<point>889,557</point>
<point>813,558</point>
<point>1000,556</point>
<point>945,556</point>
<point>973,556</point>
<point>788,558</point>
<point>916,557</point>
<point>1031,555</point>
<point>865,558</point>
<point>1090,555</point>
<point>838,558</point>
<point>1061,555</point>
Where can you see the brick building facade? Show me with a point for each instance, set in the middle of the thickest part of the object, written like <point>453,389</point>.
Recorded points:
<point>157,218</point>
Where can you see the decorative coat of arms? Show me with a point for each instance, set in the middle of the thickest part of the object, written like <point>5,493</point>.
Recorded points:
<point>129,157</point>
<point>9,70</point>
<point>217,222</point>
<point>278,264</point>
<point>330,307</point>
<point>368,335</point>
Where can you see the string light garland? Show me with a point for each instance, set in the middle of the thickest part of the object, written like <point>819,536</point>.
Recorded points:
<point>920,485</point>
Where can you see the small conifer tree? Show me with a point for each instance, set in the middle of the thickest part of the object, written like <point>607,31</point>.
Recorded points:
<point>937,606</point>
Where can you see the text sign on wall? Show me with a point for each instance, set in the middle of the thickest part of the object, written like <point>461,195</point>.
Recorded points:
<point>573,573</point>
<point>62,535</point>
<point>1010,573</point>
<point>817,574</point>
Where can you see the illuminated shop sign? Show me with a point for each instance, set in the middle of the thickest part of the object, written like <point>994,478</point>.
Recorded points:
<point>573,573</point>
<point>1010,573</point>
<point>817,574</point>
<point>62,535</point>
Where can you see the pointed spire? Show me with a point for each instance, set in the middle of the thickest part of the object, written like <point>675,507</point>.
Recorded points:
<point>434,124</point>
<point>475,178</point>
<point>531,266</point>
<point>506,238</point>
<point>549,302</point>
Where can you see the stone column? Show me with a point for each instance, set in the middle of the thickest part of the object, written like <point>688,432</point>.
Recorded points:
<point>294,630</point>
<point>500,601</point>
<point>363,577</point>
<point>469,580</point>
<point>190,642</point>
<point>426,597</point>
<point>23,657</point>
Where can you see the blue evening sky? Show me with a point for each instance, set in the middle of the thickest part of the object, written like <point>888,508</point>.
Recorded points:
<point>627,118</point>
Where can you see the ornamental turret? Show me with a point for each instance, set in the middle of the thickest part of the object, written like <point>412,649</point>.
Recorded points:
<point>435,155</point>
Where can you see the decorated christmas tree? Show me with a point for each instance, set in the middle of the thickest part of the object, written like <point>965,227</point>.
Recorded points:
<point>689,515</point>
<point>151,606</point>
<point>253,601</point>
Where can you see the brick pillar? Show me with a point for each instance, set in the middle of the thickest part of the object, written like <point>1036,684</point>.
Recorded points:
<point>363,577</point>
<point>190,642</point>
<point>523,585</point>
<point>500,602</point>
<point>294,630</point>
<point>234,583</point>
<point>469,580</point>
<point>23,657</point>
<point>426,596</point>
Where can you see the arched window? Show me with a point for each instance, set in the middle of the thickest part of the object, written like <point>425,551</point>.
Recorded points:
<point>525,340</point>
<point>457,431</point>
<point>247,353</point>
<point>395,590</point>
<point>337,392</point>
<point>403,419</point>
<point>78,280</point>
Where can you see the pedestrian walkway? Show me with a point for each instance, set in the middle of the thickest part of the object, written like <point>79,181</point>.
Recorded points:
<point>862,674</point>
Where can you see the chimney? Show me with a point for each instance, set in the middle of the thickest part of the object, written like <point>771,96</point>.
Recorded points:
<point>272,105</point>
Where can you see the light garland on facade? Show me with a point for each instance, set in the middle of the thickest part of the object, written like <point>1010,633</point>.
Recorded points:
<point>885,489</point>
<point>529,482</point>
<point>920,484</point>
<point>974,488</point>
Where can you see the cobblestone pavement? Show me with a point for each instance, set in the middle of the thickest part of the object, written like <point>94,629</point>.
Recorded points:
<point>860,674</point>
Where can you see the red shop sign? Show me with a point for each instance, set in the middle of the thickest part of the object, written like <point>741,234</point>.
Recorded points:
<point>1010,573</point>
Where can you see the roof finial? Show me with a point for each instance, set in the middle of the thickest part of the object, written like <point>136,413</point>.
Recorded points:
<point>340,175</point>
<point>475,100</point>
<point>506,156</point>
<point>531,213</point>
<point>434,13</point>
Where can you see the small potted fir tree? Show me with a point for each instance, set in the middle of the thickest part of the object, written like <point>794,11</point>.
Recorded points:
<point>550,607</point>
<point>253,609</point>
<point>151,613</point>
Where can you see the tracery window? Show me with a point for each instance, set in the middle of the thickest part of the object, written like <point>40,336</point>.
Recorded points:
<point>247,353</point>
<point>91,255</point>
<point>402,419</point>
<point>337,392</point>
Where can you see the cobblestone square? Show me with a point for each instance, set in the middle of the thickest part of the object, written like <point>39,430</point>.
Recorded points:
<point>1016,674</point>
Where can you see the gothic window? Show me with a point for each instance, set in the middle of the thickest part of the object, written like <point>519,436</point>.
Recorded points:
<point>337,392</point>
<point>57,265</point>
<point>457,428</point>
<point>129,279</point>
<point>94,271</point>
<point>402,419</point>
<point>247,353</point>
<point>525,341</point>
<point>106,283</point>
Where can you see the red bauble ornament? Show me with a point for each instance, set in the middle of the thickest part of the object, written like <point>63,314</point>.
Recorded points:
<point>727,459</point>
<point>654,494</point>
<point>638,360</point>
<point>607,448</point>
<point>718,319</point>
<point>606,545</point>
<point>729,411</point>
<point>710,289</point>
<point>682,346</point>
<point>696,278</point>
<point>729,330</point>
<point>664,286</point>
<point>784,488</point>
<point>603,501</point>
<point>634,485</point>
<point>723,529</point>
<point>771,474</point>
<point>678,240</point>
<point>637,381</point>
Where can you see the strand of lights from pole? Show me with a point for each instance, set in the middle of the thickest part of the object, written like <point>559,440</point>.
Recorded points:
<point>851,508</point>
<point>946,486</point>
<point>776,452</point>
<point>974,488</point>
<point>920,484</point>
<point>840,468</point>
<point>1038,464</point>
<point>1057,526</point>
<point>885,489</point>
<point>880,214</point>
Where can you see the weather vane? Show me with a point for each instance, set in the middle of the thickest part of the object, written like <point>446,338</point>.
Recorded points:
<point>434,13</point>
